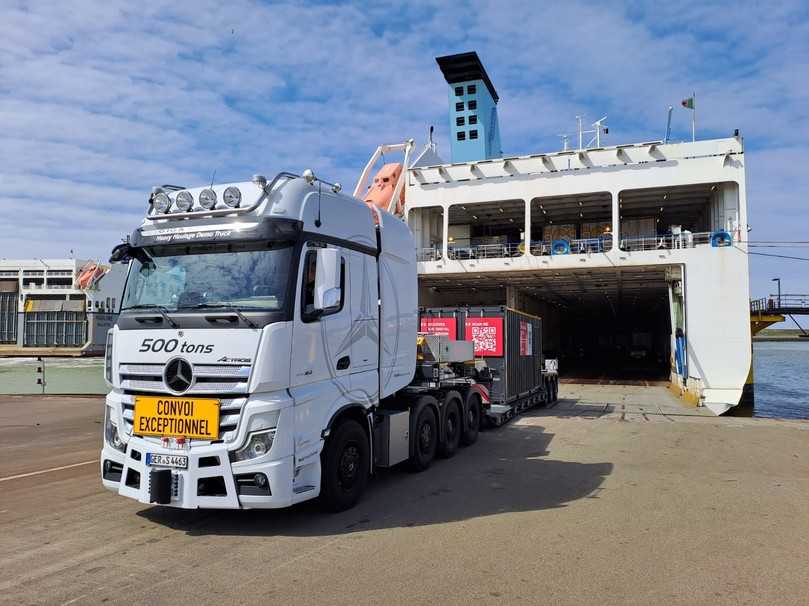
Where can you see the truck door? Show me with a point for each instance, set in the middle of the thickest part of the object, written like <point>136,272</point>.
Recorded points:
<point>365,322</point>
<point>320,346</point>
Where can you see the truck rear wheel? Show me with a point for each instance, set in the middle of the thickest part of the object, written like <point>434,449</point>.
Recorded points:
<point>452,427</point>
<point>472,417</point>
<point>425,439</point>
<point>345,466</point>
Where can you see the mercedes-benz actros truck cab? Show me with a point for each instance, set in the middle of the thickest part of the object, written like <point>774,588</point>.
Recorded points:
<point>267,351</point>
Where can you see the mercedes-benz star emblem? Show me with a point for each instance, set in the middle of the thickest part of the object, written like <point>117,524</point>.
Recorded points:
<point>178,375</point>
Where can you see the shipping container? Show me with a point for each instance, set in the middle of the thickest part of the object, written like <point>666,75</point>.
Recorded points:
<point>510,342</point>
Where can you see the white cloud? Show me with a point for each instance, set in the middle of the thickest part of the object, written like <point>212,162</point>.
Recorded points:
<point>100,101</point>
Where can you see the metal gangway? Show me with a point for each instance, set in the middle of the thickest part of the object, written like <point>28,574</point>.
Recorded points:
<point>776,308</point>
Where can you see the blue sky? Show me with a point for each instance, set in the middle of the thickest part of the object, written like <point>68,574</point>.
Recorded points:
<point>101,100</point>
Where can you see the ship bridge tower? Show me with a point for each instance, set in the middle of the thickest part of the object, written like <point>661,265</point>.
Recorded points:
<point>473,125</point>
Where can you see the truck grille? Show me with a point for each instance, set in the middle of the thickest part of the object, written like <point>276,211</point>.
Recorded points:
<point>226,381</point>
<point>209,378</point>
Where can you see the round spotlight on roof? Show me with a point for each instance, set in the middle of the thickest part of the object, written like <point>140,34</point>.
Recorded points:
<point>161,203</point>
<point>232,197</point>
<point>184,201</point>
<point>207,199</point>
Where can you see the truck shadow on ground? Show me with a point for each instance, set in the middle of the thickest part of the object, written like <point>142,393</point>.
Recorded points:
<point>506,471</point>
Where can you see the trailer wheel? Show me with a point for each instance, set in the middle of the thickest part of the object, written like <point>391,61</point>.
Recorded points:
<point>345,466</point>
<point>472,414</point>
<point>425,439</point>
<point>555,389</point>
<point>452,427</point>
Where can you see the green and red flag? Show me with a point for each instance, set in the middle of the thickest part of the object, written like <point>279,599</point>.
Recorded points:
<point>688,103</point>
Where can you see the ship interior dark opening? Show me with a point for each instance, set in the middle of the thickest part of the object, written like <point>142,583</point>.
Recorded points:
<point>605,325</point>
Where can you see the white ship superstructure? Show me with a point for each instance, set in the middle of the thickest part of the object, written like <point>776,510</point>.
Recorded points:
<point>634,255</point>
<point>57,306</point>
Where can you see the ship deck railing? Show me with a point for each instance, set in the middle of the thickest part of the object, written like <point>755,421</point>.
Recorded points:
<point>781,304</point>
<point>540,248</point>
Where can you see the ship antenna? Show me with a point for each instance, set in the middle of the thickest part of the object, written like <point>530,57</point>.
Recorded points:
<point>668,126</point>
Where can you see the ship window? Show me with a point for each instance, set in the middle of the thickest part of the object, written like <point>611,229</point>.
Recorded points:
<point>473,134</point>
<point>459,106</point>
<point>473,119</point>
<point>459,91</point>
<point>472,104</point>
<point>461,136</point>
<point>459,121</point>
<point>471,89</point>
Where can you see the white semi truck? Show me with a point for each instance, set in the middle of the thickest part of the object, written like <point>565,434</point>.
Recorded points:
<point>267,352</point>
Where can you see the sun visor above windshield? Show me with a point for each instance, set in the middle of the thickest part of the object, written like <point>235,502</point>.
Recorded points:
<point>241,229</point>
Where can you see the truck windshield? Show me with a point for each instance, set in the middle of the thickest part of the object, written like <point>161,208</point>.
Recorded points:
<point>242,276</point>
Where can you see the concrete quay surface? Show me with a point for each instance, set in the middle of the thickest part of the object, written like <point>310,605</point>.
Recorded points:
<point>616,495</point>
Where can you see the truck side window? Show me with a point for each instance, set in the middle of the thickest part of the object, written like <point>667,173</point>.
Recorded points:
<point>308,313</point>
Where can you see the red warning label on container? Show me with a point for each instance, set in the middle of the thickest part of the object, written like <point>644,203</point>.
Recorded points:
<point>487,334</point>
<point>445,327</point>
<point>526,338</point>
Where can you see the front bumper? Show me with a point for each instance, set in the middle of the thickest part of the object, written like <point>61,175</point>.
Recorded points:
<point>208,482</point>
<point>211,480</point>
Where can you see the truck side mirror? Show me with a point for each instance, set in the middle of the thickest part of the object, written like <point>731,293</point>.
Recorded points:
<point>121,253</point>
<point>327,279</point>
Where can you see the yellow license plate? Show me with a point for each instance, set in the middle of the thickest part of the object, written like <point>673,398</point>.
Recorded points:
<point>171,417</point>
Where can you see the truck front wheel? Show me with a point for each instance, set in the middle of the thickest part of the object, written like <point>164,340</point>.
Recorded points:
<point>345,466</point>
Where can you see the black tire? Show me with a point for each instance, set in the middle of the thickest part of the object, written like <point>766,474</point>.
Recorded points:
<point>472,414</point>
<point>555,389</point>
<point>452,427</point>
<point>425,439</point>
<point>345,464</point>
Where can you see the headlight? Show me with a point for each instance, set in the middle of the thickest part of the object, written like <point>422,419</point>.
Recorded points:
<point>258,444</point>
<point>232,196</point>
<point>161,202</point>
<point>111,432</point>
<point>108,358</point>
<point>207,199</point>
<point>184,201</point>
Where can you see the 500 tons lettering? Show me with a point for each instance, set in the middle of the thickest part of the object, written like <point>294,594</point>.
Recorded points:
<point>172,345</point>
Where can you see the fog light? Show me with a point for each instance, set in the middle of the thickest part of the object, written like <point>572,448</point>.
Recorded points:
<point>184,201</point>
<point>107,466</point>
<point>207,199</point>
<point>261,480</point>
<point>162,203</point>
<point>232,196</point>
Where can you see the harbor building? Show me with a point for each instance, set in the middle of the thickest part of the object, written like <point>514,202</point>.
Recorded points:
<point>634,255</point>
<point>57,306</point>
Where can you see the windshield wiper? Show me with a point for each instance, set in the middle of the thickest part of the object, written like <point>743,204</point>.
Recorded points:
<point>224,307</point>
<point>163,311</point>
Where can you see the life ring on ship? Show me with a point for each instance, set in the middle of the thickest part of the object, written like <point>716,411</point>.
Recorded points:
<point>721,238</point>
<point>560,247</point>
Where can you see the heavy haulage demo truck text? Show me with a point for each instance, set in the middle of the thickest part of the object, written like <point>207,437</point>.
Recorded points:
<point>268,352</point>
